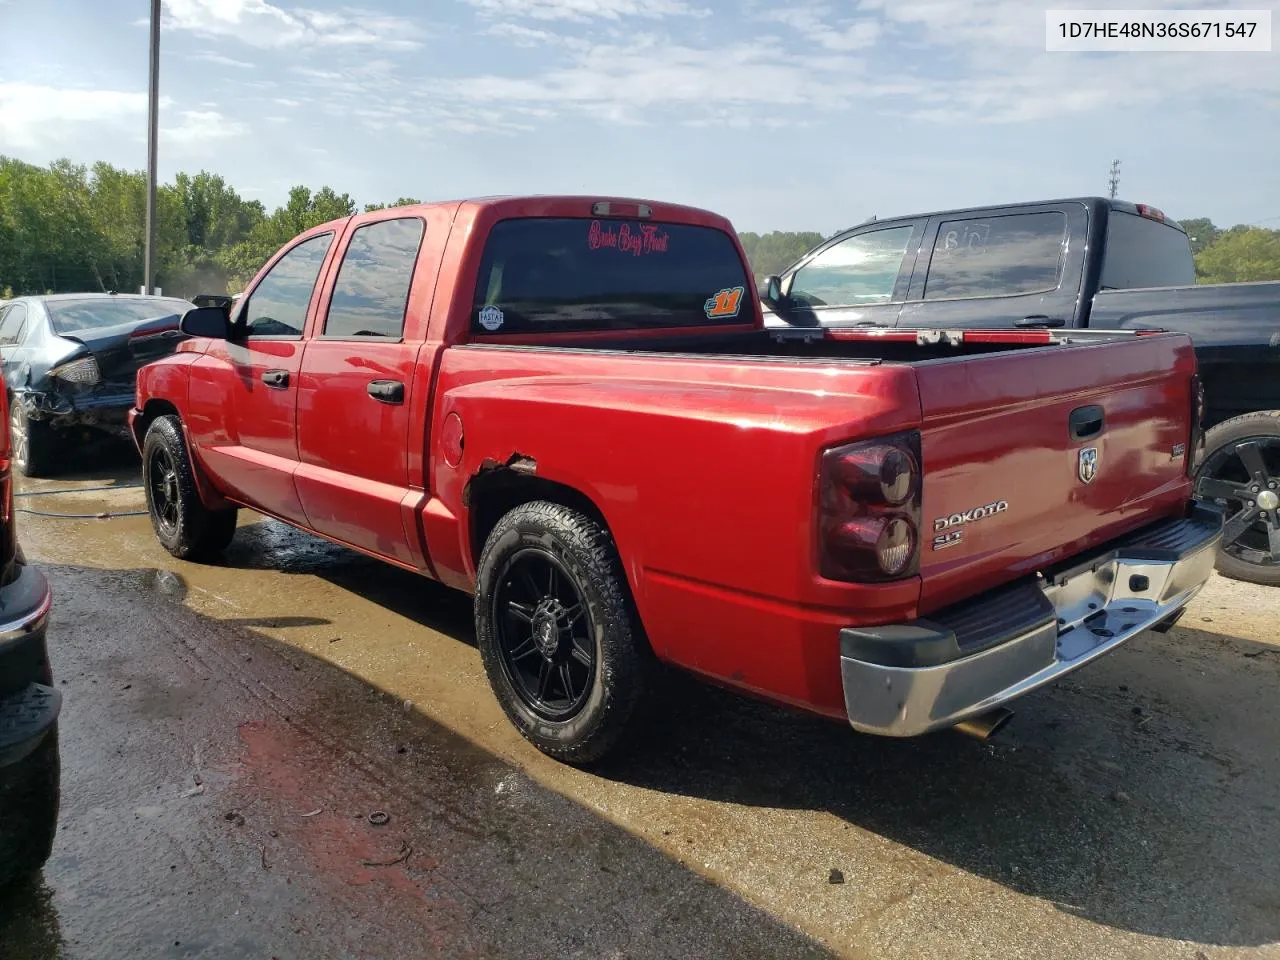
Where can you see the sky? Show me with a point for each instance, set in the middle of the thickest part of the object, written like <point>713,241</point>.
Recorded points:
<point>808,115</point>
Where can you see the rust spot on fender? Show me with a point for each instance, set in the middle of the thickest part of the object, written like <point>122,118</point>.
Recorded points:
<point>518,463</point>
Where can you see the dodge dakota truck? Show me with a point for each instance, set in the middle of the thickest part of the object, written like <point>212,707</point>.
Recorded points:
<point>570,408</point>
<point>1072,264</point>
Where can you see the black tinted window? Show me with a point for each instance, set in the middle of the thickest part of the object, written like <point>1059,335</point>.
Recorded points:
<point>278,305</point>
<point>997,256</point>
<point>1142,252</point>
<point>372,290</point>
<point>572,274</point>
<point>862,269</point>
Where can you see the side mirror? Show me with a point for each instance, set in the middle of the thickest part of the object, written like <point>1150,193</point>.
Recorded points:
<point>211,322</point>
<point>771,289</point>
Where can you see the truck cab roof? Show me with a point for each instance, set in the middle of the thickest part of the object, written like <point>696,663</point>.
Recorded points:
<point>1095,205</point>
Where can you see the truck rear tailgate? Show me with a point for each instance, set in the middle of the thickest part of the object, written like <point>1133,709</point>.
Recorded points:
<point>1033,456</point>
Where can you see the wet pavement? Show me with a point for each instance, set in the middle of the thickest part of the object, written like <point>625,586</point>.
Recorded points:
<point>231,731</point>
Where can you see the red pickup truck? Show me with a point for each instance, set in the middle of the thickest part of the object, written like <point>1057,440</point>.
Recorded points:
<point>570,407</point>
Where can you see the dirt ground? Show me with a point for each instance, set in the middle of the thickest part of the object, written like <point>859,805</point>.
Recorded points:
<point>229,730</point>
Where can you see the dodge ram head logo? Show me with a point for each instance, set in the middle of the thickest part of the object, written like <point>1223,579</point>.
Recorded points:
<point>1088,468</point>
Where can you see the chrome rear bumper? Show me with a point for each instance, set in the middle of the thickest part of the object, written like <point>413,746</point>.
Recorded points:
<point>906,679</point>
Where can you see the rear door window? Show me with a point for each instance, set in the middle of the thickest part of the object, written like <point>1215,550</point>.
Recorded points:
<point>11,319</point>
<point>549,274</point>
<point>861,270</point>
<point>1142,252</point>
<point>372,290</point>
<point>1000,256</point>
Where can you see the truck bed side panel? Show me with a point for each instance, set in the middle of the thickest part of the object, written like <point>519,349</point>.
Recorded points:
<point>1234,326</point>
<point>705,471</point>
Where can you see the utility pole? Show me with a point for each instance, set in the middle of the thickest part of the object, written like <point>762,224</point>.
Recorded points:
<point>1115,177</point>
<point>153,111</point>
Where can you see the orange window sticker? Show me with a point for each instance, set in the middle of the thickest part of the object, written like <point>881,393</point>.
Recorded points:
<point>726,303</point>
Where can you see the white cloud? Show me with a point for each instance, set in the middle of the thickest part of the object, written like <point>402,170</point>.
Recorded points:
<point>262,24</point>
<point>209,57</point>
<point>200,126</point>
<point>586,10</point>
<point>931,60</point>
<point>39,117</point>
<point>286,102</point>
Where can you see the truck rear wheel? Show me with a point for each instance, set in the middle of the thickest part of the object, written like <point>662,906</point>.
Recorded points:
<point>183,524</point>
<point>560,643</point>
<point>29,797</point>
<point>1240,470</point>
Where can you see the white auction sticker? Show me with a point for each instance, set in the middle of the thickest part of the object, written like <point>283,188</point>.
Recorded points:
<point>1158,31</point>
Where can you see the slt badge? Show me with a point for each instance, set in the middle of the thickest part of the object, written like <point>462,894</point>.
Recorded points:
<point>1088,466</point>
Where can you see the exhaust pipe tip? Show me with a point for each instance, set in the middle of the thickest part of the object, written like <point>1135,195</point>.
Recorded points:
<point>985,725</point>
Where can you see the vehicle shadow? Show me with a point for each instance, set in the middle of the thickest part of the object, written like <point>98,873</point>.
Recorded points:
<point>29,927</point>
<point>106,459</point>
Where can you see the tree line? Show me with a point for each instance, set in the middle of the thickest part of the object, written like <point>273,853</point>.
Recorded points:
<point>71,228</point>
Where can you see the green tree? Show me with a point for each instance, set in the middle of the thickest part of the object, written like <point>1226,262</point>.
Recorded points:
<point>773,252</point>
<point>1201,232</point>
<point>1241,255</point>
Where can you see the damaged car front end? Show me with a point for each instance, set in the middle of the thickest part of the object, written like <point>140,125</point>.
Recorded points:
<point>70,364</point>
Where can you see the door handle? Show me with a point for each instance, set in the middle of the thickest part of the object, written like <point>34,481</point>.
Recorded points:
<point>276,378</point>
<point>1086,422</point>
<point>1040,320</point>
<point>387,391</point>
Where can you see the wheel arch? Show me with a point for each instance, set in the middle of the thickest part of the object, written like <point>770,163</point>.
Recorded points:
<point>152,411</point>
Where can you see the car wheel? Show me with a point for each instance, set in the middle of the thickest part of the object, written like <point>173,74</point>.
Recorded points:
<point>1240,471</point>
<point>31,441</point>
<point>29,796</point>
<point>558,636</point>
<point>183,524</point>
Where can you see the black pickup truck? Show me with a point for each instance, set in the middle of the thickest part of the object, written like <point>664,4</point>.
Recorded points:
<point>1086,262</point>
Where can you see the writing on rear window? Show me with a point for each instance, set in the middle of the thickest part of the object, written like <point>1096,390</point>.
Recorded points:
<point>553,274</point>
<point>638,240</point>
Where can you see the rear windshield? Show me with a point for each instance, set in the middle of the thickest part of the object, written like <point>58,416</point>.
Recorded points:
<point>68,316</point>
<point>547,274</point>
<point>1142,252</point>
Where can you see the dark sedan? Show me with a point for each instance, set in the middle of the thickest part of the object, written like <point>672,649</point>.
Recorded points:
<point>69,364</point>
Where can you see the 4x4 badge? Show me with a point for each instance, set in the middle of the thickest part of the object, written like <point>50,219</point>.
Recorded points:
<point>1088,468</point>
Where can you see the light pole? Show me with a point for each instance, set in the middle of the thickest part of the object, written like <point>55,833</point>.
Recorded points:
<point>153,110</point>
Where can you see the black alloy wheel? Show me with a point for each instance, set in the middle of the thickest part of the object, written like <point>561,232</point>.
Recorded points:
<point>1241,473</point>
<point>166,497</point>
<point>545,635</point>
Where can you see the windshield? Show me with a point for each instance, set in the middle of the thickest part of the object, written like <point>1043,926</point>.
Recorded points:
<point>548,274</point>
<point>68,316</point>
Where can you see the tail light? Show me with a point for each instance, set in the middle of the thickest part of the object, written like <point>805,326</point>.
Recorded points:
<point>84,370</point>
<point>869,510</point>
<point>1197,423</point>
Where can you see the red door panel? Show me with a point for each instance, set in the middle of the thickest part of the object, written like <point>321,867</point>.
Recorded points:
<point>353,445</point>
<point>241,416</point>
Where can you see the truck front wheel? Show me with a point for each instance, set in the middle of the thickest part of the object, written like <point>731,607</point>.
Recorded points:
<point>1240,470</point>
<point>561,646</point>
<point>183,524</point>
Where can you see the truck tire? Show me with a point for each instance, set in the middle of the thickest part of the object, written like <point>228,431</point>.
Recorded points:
<point>1240,470</point>
<point>183,524</point>
<point>560,642</point>
<point>29,797</point>
<point>32,441</point>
